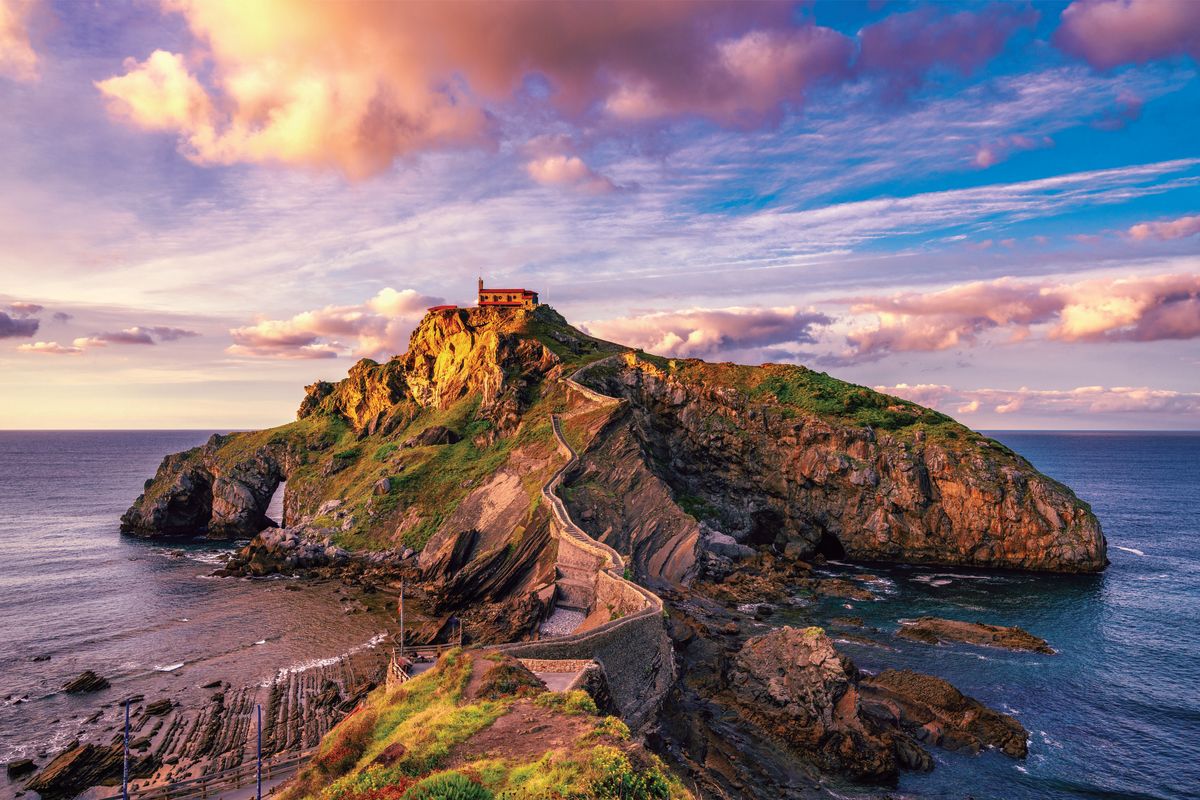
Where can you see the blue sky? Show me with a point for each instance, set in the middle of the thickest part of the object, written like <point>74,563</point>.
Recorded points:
<point>992,208</point>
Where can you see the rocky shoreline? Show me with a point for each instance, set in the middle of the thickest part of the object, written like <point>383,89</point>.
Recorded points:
<point>208,724</point>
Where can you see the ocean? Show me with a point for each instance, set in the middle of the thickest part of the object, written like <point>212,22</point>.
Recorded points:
<point>144,615</point>
<point>1115,714</point>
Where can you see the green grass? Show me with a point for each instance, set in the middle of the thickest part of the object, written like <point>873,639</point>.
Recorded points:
<point>420,723</point>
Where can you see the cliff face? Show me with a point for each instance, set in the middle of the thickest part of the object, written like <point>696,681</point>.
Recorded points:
<point>744,451</point>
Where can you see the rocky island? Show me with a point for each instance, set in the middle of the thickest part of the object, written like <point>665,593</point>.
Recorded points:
<point>517,468</point>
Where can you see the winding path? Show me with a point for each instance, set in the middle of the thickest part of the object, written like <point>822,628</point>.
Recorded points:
<point>633,649</point>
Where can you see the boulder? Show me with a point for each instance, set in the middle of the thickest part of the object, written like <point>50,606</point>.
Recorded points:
<point>20,768</point>
<point>382,486</point>
<point>793,684</point>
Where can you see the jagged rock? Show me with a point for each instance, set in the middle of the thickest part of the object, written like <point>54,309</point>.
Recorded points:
<point>284,550</point>
<point>933,711</point>
<point>794,684</point>
<point>382,486</point>
<point>80,766</point>
<point>433,435</point>
<point>933,630</point>
<point>86,682</point>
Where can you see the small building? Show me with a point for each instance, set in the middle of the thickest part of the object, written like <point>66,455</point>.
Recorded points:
<point>511,298</point>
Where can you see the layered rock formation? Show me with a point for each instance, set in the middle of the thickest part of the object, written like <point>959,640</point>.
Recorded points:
<point>783,457</point>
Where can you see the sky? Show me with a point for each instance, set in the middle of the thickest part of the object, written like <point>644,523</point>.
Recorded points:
<point>990,208</point>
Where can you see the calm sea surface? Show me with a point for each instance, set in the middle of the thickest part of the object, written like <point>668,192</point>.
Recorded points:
<point>1116,714</point>
<point>145,616</point>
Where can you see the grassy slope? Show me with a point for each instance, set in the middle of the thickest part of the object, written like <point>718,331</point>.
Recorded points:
<point>420,723</point>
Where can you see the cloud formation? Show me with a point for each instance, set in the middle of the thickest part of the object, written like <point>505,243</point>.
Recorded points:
<point>18,60</point>
<point>18,325</point>
<point>700,332</point>
<point>1108,33</point>
<point>354,86</point>
<point>1051,402</point>
<point>1142,309</point>
<point>50,348</point>
<point>376,328</point>
<point>903,48</point>
<point>135,335</point>
<point>569,171</point>
<point>1167,229</point>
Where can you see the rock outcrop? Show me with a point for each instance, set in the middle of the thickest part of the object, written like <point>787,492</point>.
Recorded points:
<point>796,686</point>
<point>936,713</point>
<point>87,681</point>
<point>815,475</point>
<point>933,630</point>
<point>217,489</point>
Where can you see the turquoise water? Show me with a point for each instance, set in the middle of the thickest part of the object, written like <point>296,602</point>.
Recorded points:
<point>1116,713</point>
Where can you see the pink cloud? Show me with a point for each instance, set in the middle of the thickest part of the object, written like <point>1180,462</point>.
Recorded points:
<point>1052,402</point>
<point>18,60</point>
<point>570,171</point>
<point>702,332</point>
<point>1108,33</point>
<point>353,86</point>
<point>1168,229</point>
<point>903,48</point>
<point>377,328</point>
<point>135,335</point>
<point>1000,149</point>
<point>1143,309</point>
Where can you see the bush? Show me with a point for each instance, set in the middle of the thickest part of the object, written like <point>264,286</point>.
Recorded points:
<point>614,777</point>
<point>447,786</point>
<point>384,451</point>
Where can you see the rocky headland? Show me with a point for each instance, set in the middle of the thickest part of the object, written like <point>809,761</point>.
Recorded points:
<point>713,486</point>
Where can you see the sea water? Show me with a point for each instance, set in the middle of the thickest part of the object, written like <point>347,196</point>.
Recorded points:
<point>145,615</point>
<point>1116,712</point>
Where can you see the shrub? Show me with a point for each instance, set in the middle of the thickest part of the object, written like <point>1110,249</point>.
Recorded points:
<point>614,777</point>
<point>384,451</point>
<point>447,786</point>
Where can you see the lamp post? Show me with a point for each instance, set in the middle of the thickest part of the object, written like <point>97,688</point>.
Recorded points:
<point>258,792</point>
<point>125,760</point>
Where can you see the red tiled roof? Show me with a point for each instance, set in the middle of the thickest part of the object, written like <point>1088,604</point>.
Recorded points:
<point>513,291</point>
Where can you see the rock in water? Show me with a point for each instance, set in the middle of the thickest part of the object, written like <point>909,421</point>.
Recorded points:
<point>86,682</point>
<point>935,712</point>
<point>932,630</point>
<point>20,767</point>
<point>794,685</point>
